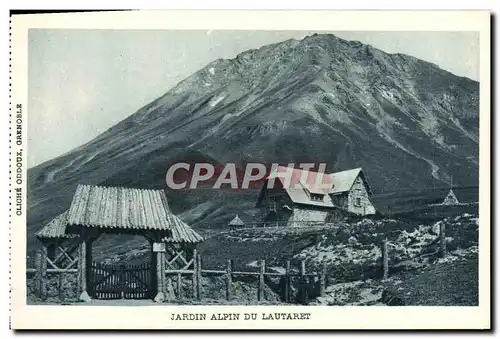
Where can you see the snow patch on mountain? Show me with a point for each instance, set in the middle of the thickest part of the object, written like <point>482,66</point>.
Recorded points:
<point>216,99</point>
<point>385,133</point>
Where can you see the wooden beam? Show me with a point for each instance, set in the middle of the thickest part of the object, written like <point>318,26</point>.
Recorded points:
<point>260,295</point>
<point>179,286</point>
<point>198,277</point>
<point>63,253</point>
<point>322,281</point>
<point>153,273</point>
<point>88,265</point>
<point>303,282</point>
<point>287,281</point>
<point>70,248</point>
<point>229,281</point>
<point>442,239</point>
<point>195,268</point>
<point>71,264</point>
<point>160,277</point>
<point>385,259</point>
<point>188,264</point>
<point>42,272</point>
<point>178,255</point>
<point>47,260</point>
<point>82,267</point>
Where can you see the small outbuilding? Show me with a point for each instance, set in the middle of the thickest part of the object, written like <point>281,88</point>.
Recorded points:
<point>236,222</point>
<point>451,199</point>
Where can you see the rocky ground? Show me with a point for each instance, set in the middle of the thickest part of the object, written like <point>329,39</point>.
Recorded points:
<point>446,281</point>
<point>418,275</point>
<point>351,253</point>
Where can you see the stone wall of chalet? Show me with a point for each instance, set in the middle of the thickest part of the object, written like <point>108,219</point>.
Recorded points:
<point>363,206</point>
<point>306,217</point>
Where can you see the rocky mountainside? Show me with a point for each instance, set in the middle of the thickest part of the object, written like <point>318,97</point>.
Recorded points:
<point>408,123</point>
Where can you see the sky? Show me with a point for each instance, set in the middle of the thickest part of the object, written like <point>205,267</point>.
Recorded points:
<point>82,82</point>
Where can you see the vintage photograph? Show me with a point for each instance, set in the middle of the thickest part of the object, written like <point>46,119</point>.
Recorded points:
<point>251,168</point>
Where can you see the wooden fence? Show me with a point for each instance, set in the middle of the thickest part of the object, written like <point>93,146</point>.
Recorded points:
<point>386,252</point>
<point>282,224</point>
<point>304,279</point>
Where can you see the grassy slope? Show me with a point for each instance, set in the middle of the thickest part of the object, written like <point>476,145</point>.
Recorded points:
<point>274,246</point>
<point>444,284</point>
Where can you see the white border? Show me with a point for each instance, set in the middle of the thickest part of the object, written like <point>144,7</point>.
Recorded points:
<point>89,317</point>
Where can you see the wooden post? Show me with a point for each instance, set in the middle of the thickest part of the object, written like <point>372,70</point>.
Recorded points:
<point>160,277</point>
<point>88,267</point>
<point>81,267</point>
<point>322,281</point>
<point>38,276</point>
<point>195,269</point>
<point>385,258</point>
<point>260,296</point>
<point>60,287</point>
<point>179,286</point>
<point>442,240</point>
<point>122,269</point>
<point>303,287</point>
<point>287,282</point>
<point>198,278</point>
<point>41,273</point>
<point>153,273</point>
<point>82,262</point>
<point>229,280</point>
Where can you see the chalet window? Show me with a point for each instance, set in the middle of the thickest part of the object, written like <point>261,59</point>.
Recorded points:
<point>357,202</point>
<point>317,197</point>
<point>272,206</point>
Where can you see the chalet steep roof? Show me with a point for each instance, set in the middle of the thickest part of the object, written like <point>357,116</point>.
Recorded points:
<point>303,182</point>
<point>299,177</point>
<point>343,181</point>
<point>337,182</point>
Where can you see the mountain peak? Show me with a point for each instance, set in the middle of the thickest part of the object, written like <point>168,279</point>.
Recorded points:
<point>321,99</point>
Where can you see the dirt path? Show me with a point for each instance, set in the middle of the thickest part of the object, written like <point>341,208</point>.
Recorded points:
<point>119,302</point>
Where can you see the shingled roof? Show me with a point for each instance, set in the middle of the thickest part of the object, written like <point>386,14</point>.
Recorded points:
<point>236,221</point>
<point>121,208</point>
<point>56,229</point>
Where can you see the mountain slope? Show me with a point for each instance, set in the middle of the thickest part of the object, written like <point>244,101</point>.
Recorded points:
<point>407,122</point>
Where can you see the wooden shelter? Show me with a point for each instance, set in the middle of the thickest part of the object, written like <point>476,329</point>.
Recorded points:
<point>67,241</point>
<point>236,222</point>
<point>451,199</point>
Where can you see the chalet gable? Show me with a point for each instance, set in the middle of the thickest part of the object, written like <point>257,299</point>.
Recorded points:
<point>304,187</point>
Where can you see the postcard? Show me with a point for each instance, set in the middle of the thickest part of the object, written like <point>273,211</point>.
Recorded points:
<point>250,170</point>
